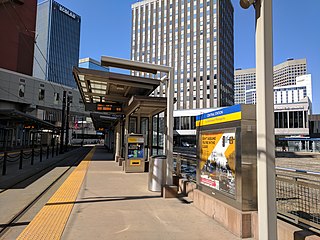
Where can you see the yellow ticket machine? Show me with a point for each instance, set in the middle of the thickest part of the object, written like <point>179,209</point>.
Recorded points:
<point>135,156</point>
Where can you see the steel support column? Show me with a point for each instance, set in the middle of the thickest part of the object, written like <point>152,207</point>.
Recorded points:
<point>265,122</point>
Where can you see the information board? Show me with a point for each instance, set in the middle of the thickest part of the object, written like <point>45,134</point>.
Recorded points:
<point>218,160</point>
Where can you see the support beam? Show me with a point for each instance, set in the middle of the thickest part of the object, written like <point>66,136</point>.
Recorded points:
<point>169,128</point>
<point>118,140</point>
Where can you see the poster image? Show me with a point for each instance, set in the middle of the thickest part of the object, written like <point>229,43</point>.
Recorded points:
<point>218,161</point>
<point>135,150</point>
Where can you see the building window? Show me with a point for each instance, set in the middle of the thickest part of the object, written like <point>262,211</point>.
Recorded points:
<point>185,123</point>
<point>41,94</point>
<point>291,125</point>
<point>132,125</point>
<point>176,125</point>
<point>56,98</point>
<point>21,89</point>
<point>193,122</point>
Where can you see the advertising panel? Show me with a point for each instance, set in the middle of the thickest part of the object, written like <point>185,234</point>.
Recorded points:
<point>135,150</point>
<point>218,160</point>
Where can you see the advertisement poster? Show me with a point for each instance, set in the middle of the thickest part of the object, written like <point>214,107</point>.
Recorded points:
<point>135,150</point>
<point>218,161</point>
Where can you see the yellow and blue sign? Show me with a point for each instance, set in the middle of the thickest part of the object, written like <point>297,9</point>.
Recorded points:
<point>223,115</point>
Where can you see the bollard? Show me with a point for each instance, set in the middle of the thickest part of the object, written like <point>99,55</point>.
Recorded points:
<point>57,150</point>
<point>48,151</point>
<point>178,165</point>
<point>41,153</point>
<point>32,156</point>
<point>21,159</point>
<point>4,169</point>
<point>52,151</point>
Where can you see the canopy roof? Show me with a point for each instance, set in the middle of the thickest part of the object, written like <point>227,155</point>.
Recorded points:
<point>98,86</point>
<point>20,117</point>
<point>129,91</point>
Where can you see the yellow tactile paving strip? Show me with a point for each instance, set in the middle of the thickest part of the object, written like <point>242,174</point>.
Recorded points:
<point>50,222</point>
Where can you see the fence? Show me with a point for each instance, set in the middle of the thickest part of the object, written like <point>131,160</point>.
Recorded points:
<point>185,165</point>
<point>298,197</point>
<point>297,191</point>
<point>23,157</point>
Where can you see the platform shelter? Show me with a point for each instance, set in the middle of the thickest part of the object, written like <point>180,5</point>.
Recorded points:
<point>120,105</point>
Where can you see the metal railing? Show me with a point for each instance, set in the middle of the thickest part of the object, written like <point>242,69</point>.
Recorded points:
<point>185,165</point>
<point>297,191</point>
<point>298,197</point>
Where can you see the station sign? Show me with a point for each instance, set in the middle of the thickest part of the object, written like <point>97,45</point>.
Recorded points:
<point>104,107</point>
<point>28,126</point>
<point>109,107</point>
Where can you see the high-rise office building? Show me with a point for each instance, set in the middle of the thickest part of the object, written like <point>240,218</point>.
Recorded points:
<point>286,94</point>
<point>195,37</point>
<point>17,30</point>
<point>92,64</point>
<point>284,74</point>
<point>58,42</point>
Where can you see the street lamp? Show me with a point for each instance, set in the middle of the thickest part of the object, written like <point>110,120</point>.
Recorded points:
<point>265,119</point>
<point>246,3</point>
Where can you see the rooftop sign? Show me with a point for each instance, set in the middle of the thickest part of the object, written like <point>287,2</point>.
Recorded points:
<point>67,11</point>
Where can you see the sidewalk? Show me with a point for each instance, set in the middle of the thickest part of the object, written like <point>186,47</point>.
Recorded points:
<point>114,205</point>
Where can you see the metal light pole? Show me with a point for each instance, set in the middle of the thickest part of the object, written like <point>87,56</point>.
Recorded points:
<point>267,211</point>
<point>67,122</point>
<point>63,121</point>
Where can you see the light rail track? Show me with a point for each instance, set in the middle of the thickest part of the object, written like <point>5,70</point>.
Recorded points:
<point>14,220</point>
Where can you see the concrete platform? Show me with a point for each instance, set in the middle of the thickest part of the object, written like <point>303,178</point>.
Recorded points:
<point>100,201</point>
<point>114,205</point>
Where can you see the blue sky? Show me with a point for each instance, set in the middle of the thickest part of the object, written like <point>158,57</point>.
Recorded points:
<point>106,30</point>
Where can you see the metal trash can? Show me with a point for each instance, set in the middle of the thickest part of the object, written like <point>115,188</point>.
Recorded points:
<point>156,172</point>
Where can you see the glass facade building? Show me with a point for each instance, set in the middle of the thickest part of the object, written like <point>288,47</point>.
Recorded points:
<point>57,43</point>
<point>195,37</point>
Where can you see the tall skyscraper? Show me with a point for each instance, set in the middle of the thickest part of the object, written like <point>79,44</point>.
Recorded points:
<point>284,74</point>
<point>58,42</point>
<point>17,30</point>
<point>195,37</point>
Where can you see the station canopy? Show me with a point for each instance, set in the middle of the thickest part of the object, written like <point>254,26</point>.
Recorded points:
<point>109,96</point>
<point>29,121</point>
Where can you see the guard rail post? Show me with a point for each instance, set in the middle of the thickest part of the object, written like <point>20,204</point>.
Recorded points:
<point>48,151</point>
<point>32,156</point>
<point>52,151</point>
<point>4,169</point>
<point>41,153</point>
<point>178,165</point>
<point>21,159</point>
<point>57,150</point>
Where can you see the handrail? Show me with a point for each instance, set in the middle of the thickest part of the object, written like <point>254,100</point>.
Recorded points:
<point>187,170</point>
<point>298,171</point>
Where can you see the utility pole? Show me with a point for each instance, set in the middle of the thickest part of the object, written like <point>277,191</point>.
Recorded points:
<point>63,121</point>
<point>67,125</point>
